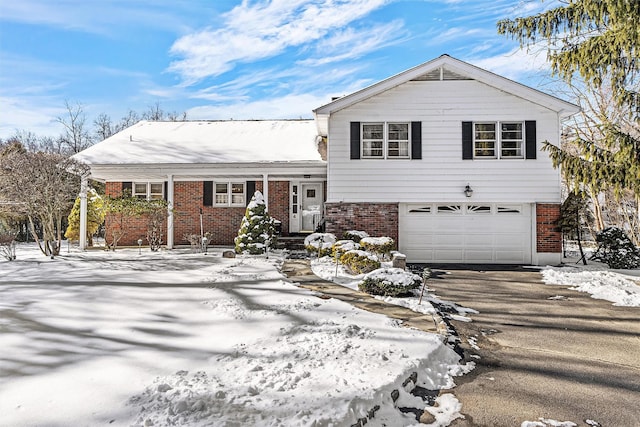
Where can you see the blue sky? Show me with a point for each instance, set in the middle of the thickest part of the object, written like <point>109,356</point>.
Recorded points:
<point>232,59</point>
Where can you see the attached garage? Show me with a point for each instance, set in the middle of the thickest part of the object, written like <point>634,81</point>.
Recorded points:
<point>499,233</point>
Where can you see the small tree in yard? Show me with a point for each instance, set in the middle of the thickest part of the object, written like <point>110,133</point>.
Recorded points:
<point>257,228</point>
<point>95,217</point>
<point>575,217</point>
<point>7,240</point>
<point>42,187</point>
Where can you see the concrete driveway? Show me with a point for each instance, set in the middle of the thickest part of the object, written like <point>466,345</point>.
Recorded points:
<point>567,359</point>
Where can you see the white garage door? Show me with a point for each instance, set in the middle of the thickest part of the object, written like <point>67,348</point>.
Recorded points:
<point>466,232</point>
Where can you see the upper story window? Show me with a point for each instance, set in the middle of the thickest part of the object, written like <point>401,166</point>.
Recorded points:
<point>385,140</point>
<point>492,140</point>
<point>229,193</point>
<point>148,190</point>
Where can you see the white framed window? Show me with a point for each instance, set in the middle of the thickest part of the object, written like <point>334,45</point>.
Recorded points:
<point>385,140</point>
<point>229,193</point>
<point>493,140</point>
<point>511,140</point>
<point>148,190</point>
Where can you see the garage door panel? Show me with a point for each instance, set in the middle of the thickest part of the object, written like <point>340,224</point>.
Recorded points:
<point>473,233</point>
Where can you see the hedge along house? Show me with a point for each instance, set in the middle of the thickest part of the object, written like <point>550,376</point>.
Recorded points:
<point>211,169</point>
<point>446,159</point>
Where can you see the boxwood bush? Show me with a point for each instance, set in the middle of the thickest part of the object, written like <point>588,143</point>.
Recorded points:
<point>342,246</point>
<point>320,243</point>
<point>358,262</point>
<point>355,235</point>
<point>380,245</point>
<point>391,282</point>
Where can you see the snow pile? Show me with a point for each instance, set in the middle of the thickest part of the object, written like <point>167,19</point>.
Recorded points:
<point>601,284</point>
<point>446,409</point>
<point>174,338</point>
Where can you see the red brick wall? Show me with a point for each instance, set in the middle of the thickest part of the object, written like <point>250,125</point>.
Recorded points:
<point>278,202</point>
<point>222,222</point>
<point>135,228</point>
<point>377,219</point>
<point>549,237</point>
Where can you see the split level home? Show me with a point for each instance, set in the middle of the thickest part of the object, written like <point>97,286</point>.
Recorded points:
<point>445,158</point>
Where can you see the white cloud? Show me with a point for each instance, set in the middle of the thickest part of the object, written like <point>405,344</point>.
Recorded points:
<point>516,63</point>
<point>286,107</point>
<point>351,43</point>
<point>262,29</point>
<point>36,115</point>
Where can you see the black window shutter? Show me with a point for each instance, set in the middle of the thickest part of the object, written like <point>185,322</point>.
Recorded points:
<point>355,140</point>
<point>207,193</point>
<point>530,139</point>
<point>251,189</point>
<point>166,191</point>
<point>467,140</point>
<point>127,188</point>
<point>416,140</point>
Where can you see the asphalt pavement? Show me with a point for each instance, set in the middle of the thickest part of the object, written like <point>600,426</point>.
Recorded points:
<point>542,351</point>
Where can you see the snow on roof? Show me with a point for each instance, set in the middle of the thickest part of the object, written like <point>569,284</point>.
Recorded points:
<point>232,141</point>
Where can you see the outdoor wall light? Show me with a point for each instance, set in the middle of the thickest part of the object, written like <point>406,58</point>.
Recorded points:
<point>468,191</point>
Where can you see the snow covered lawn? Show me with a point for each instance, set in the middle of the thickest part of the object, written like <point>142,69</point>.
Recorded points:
<point>176,338</point>
<point>622,287</point>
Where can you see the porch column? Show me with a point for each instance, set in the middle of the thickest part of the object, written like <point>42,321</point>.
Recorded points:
<point>170,212</point>
<point>84,183</point>
<point>265,189</point>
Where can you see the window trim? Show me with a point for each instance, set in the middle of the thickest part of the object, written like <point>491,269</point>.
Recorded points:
<point>229,194</point>
<point>498,140</point>
<point>386,140</point>
<point>148,194</point>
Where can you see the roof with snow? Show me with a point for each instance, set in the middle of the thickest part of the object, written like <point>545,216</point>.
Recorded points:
<point>205,142</point>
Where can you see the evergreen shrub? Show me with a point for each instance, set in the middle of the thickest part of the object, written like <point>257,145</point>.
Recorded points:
<point>320,243</point>
<point>257,229</point>
<point>341,246</point>
<point>616,249</point>
<point>358,262</point>
<point>391,282</point>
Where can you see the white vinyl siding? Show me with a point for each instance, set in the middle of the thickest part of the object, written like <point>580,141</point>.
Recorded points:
<point>442,174</point>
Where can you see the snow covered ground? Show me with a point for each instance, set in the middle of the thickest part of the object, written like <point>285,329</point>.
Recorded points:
<point>622,287</point>
<point>177,338</point>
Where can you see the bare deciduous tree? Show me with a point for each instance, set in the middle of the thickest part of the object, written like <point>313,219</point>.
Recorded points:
<point>42,186</point>
<point>75,137</point>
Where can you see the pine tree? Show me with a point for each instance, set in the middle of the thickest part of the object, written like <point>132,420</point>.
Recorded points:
<point>95,217</point>
<point>257,228</point>
<point>597,40</point>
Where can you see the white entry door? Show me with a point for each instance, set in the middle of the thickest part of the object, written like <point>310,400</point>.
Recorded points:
<point>311,206</point>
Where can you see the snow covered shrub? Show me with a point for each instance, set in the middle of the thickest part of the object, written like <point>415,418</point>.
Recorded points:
<point>341,246</point>
<point>257,229</point>
<point>355,235</point>
<point>380,245</point>
<point>391,282</point>
<point>320,243</point>
<point>616,249</point>
<point>358,262</point>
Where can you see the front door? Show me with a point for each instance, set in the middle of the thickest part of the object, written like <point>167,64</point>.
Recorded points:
<point>311,206</point>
